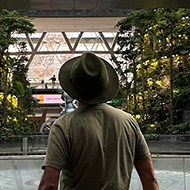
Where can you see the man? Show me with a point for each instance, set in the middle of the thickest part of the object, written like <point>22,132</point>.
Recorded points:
<point>96,145</point>
<point>53,79</point>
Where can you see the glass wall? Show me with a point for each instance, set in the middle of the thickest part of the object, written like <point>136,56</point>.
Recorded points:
<point>25,173</point>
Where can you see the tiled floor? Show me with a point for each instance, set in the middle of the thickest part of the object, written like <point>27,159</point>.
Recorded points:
<point>16,174</point>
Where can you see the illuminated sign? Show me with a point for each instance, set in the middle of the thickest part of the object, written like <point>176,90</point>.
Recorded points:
<point>49,98</point>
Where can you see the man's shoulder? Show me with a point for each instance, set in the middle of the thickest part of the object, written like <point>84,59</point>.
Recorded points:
<point>84,111</point>
<point>117,111</point>
<point>62,120</point>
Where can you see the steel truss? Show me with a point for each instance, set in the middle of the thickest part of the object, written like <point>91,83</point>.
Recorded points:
<point>72,49</point>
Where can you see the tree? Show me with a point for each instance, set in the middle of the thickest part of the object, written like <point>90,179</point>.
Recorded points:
<point>132,40</point>
<point>13,80</point>
<point>173,27</point>
<point>155,47</point>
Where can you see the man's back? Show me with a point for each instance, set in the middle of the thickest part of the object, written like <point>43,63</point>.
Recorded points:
<point>98,148</point>
<point>95,146</point>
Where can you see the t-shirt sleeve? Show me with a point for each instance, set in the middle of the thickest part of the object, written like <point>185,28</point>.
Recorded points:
<point>141,148</point>
<point>57,149</point>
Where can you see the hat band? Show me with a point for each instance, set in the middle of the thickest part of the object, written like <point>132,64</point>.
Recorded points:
<point>88,91</point>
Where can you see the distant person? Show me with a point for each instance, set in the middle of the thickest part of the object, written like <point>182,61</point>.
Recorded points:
<point>53,79</point>
<point>96,145</point>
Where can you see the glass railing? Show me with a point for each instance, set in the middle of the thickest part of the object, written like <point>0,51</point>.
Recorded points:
<point>24,172</point>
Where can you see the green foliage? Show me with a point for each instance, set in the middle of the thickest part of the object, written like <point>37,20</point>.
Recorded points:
<point>151,136</point>
<point>12,22</point>
<point>182,128</point>
<point>153,62</point>
<point>16,101</point>
<point>152,131</point>
<point>16,129</point>
<point>182,93</point>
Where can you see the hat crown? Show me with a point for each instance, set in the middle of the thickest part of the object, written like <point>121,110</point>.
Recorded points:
<point>89,79</point>
<point>89,74</point>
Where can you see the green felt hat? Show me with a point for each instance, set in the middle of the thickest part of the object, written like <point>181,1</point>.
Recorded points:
<point>89,79</point>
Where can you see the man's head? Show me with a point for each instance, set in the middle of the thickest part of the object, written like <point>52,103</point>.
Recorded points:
<point>89,79</point>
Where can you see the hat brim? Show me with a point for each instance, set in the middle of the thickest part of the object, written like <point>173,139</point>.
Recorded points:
<point>107,94</point>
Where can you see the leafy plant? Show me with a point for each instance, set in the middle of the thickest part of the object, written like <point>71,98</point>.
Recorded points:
<point>16,101</point>
<point>154,53</point>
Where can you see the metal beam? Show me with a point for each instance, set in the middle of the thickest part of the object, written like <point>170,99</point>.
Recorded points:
<point>72,50</point>
<point>30,42</point>
<point>34,52</point>
<point>78,40</point>
<point>105,42</point>
<point>67,41</point>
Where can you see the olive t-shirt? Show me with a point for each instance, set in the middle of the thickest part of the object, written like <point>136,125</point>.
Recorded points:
<point>95,147</point>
